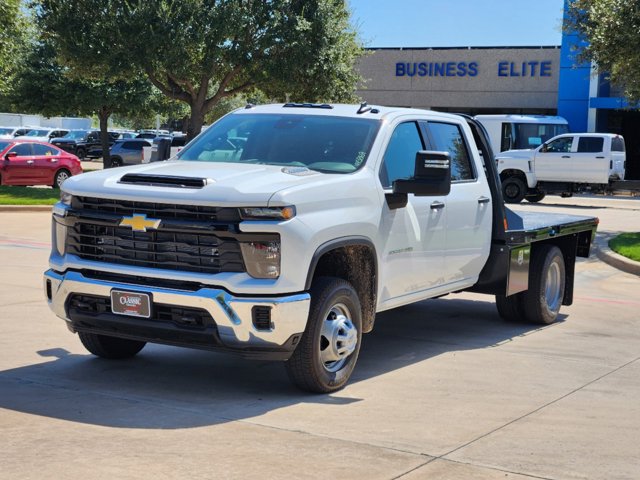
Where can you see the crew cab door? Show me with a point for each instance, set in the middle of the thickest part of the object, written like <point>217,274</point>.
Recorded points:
<point>413,236</point>
<point>19,169</point>
<point>554,160</point>
<point>46,162</point>
<point>590,161</point>
<point>468,205</point>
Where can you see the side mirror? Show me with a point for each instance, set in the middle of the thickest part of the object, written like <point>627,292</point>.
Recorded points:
<point>432,176</point>
<point>544,148</point>
<point>10,155</point>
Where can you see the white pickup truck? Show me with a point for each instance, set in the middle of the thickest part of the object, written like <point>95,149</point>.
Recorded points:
<point>280,232</point>
<point>565,164</point>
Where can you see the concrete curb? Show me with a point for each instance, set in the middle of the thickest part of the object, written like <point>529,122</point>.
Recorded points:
<point>608,256</point>
<point>25,208</point>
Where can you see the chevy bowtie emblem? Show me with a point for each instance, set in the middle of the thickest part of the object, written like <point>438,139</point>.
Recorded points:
<point>139,223</point>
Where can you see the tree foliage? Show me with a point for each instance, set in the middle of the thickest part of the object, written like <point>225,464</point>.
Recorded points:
<point>45,86</point>
<point>203,51</point>
<point>13,35</point>
<point>611,29</point>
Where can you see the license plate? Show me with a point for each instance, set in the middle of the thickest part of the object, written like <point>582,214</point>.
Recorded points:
<point>131,303</point>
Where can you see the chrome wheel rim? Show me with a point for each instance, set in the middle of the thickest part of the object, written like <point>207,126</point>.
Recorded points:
<point>338,338</point>
<point>553,287</point>
<point>512,190</point>
<point>62,176</point>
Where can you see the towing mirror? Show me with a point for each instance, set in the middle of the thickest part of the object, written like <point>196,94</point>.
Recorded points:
<point>432,176</point>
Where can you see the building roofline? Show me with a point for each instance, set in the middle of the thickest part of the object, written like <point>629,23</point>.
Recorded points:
<point>541,47</point>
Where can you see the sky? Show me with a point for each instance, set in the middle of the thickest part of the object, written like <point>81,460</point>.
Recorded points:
<point>457,23</point>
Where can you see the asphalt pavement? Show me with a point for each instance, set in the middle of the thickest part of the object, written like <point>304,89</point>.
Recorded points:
<point>443,389</point>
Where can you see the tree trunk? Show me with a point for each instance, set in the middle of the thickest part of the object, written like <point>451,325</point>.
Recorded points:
<point>103,116</point>
<point>196,121</point>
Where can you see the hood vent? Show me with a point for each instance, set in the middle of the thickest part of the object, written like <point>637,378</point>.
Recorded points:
<point>163,181</point>
<point>298,171</point>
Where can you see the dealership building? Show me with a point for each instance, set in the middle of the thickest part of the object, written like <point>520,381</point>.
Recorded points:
<point>516,80</point>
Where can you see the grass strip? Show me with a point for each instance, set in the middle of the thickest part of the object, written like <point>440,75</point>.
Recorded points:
<point>627,245</point>
<point>10,195</point>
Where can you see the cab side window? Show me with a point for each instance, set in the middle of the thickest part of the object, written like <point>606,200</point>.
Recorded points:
<point>561,145</point>
<point>400,157</point>
<point>447,137</point>
<point>590,144</point>
<point>22,150</point>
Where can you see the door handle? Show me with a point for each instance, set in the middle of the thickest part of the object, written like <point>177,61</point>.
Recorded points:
<point>484,199</point>
<point>54,160</point>
<point>29,162</point>
<point>566,156</point>
<point>437,205</point>
<point>599,157</point>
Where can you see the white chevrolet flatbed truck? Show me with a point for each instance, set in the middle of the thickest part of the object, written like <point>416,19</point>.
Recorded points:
<point>280,232</point>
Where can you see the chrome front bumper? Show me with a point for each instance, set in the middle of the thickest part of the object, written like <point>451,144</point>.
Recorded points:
<point>232,315</point>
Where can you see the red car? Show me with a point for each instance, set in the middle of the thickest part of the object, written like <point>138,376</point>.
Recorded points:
<point>23,162</point>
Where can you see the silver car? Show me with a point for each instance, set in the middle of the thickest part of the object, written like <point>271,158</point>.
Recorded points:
<point>128,151</point>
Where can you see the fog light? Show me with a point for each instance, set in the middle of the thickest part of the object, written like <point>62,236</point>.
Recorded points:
<point>262,259</point>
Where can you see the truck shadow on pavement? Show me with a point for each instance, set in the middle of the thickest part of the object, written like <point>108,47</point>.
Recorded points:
<point>171,388</point>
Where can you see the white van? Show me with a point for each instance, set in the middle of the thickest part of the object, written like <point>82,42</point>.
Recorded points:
<point>521,132</point>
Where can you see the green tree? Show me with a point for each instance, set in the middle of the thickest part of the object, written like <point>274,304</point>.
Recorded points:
<point>13,34</point>
<point>44,86</point>
<point>611,31</point>
<point>202,51</point>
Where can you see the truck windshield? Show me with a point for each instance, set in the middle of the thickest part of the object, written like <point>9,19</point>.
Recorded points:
<point>324,143</point>
<point>521,136</point>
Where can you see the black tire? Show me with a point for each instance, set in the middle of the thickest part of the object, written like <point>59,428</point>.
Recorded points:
<point>60,177</point>
<point>543,300</point>
<point>316,365</point>
<point>510,308</point>
<point>110,347</point>
<point>81,153</point>
<point>116,162</point>
<point>513,190</point>
<point>535,198</point>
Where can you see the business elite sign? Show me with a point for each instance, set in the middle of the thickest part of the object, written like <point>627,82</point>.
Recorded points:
<point>532,68</point>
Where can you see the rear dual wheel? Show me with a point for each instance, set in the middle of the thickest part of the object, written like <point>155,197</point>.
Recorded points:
<point>542,301</point>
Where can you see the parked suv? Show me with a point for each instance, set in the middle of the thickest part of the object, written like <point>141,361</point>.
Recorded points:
<point>44,134</point>
<point>80,141</point>
<point>128,151</point>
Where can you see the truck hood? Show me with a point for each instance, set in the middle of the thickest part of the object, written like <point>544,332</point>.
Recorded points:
<point>225,183</point>
<point>516,154</point>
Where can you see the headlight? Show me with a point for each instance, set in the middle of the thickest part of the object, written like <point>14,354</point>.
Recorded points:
<point>65,201</point>
<point>65,198</point>
<point>262,259</point>
<point>61,236</point>
<point>268,213</point>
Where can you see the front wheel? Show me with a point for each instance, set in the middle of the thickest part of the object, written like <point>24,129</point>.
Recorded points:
<point>513,190</point>
<point>110,347</point>
<point>535,197</point>
<point>328,350</point>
